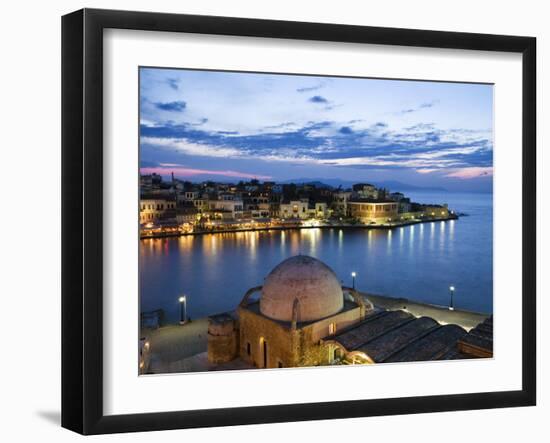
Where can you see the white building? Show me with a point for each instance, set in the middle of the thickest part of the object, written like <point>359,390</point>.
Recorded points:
<point>294,209</point>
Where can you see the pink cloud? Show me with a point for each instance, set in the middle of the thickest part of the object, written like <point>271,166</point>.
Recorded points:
<point>181,171</point>
<point>471,172</point>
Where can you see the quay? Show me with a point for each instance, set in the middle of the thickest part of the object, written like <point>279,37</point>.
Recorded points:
<point>298,225</point>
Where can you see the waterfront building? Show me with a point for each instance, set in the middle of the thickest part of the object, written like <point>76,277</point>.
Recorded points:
<point>151,209</point>
<point>435,210</point>
<point>303,316</point>
<point>233,208</point>
<point>340,202</point>
<point>373,211</point>
<point>404,205</point>
<point>256,206</point>
<point>294,209</point>
<point>202,204</point>
<point>318,210</point>
<point>186,215</point>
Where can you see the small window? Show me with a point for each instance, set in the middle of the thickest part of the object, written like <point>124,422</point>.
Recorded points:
<point>331,328</point>
<point>248,348</point>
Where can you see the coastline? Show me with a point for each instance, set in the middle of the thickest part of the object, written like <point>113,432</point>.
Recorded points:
<point>392,225</point>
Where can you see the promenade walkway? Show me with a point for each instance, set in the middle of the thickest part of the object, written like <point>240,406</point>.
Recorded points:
<point>173,346</point>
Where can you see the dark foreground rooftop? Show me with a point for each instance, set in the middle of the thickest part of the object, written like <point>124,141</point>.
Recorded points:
<point>399,336</point>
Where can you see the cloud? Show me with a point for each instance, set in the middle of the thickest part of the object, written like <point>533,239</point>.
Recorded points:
<point>345,130</point>
<point>425,150</point>
<point>471,172</point>
<point>188,147</point>
<point>182,171</point>
<point>201,122</point>
<point>310,88</point>
<point>424,105</point>
<point>420,127</point>
<point>429,104</point>
<point>280,126</point>
<point>176,106</point>
<point>173,83</point>
<point>318,99</point>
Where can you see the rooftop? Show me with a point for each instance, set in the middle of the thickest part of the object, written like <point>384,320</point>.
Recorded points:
<point>398,336</point>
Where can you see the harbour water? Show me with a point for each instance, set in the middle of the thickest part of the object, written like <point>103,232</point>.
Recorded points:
<point>418,262</point>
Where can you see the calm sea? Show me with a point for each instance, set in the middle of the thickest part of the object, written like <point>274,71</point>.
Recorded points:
<point>418,262</point>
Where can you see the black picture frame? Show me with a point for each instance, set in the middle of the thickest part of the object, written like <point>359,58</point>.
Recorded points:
<point>82,218</point>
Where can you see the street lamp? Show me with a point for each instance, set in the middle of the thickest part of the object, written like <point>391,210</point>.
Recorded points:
<point>353,275</point>
<point>452,292</point>
<point>183,309</point>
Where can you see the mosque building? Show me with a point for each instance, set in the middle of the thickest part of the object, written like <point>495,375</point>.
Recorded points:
<point>303,316</point>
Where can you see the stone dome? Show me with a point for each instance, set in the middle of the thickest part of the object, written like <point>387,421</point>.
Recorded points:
<point>306,279</point>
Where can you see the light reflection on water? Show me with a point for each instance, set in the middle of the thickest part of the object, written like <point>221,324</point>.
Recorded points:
<point>215,270</point>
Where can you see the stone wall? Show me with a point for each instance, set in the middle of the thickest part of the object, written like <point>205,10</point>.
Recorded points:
<point>223,339</point>
<point>320,329</point>
<point>287,347</point>
<point>281,342</point>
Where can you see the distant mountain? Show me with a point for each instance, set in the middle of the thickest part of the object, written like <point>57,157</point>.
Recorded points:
<point>397,186</point>
<point>393,186</point>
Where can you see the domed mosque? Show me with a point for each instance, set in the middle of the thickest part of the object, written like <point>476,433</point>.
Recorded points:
<point>303,316</point>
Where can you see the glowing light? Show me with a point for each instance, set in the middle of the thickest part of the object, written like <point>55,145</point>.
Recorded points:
<point>182,299</point>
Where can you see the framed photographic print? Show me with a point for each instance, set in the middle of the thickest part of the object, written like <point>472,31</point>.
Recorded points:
<point>270,221</point>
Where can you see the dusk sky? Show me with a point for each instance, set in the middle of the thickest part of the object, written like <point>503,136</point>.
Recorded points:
<point>237,126</point>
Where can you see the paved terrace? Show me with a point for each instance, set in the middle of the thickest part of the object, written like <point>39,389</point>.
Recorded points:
<point>465,319</point>
<point>183,348</point>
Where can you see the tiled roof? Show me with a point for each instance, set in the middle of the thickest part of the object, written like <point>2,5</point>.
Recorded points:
<point>398,336</point>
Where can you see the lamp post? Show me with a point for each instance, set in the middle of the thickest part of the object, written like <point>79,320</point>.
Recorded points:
<point>452,292</point>
<point>353,275</point>
<point>183,309</point>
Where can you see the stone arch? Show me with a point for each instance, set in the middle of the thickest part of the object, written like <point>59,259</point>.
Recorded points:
<point>359,357</point>
<point>334,345</point>
<point>365,305</point>
<point>248,294</point>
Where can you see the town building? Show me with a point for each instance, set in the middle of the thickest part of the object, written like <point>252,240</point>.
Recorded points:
<point>435,210</point>
<point>373,211</point>
<point>303,316</point>
<point>365,190</point>
<point>340,202</point>
<point>152,209</point>
<point>300,303</point>
<point>186,215</point>
<point>233,208</point>
<point>294,209</point>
